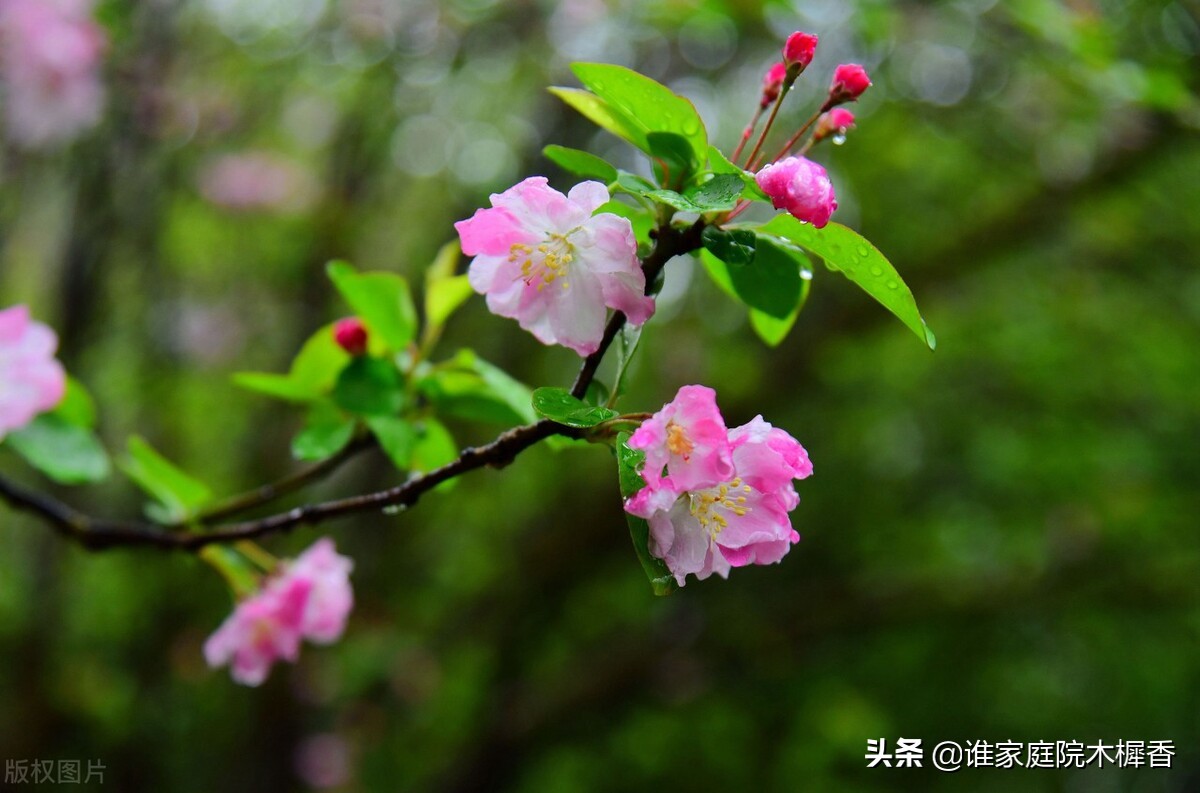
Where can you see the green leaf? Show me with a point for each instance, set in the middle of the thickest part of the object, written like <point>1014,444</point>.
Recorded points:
<point>719,194</point>
<point>845,251</point>
<point>469,387</point>
<point>627,344</point>
<point>77,406</point>
<point>645,104</point>
<point>396,437</point>
<point>629,462</point>
<point>444,291</point>
<point>381,300</point>
<point>603,115</point>
<point>434,448</point>
<point>580,163</point>
<point>370,387</point>
<point>719,163</point>
<point>673,156</point>
<point>773,330</point>
<point>633,184</point>
<point>325,433</point>
<point>770,284</point>
<point>241,575</point>
<point>66,452</point>
<point>735,246</point>
<point>313,372</point>
<point>559,406</point>
<point>178,494</point>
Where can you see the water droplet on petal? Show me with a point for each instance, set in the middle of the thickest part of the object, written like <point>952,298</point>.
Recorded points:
<point>839,139</point>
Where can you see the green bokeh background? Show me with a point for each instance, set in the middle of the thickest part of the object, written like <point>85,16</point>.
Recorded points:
<point>1000,540</point>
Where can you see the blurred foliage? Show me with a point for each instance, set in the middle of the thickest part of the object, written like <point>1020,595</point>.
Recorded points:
<point>999,541</point>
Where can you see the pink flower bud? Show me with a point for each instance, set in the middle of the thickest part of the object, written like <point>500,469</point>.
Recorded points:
<point>773,83</point>
<point>799,49</point>
<point>849,82</point>
<point>801,187</point>
<point>351,335</point>
<point>834,123</point>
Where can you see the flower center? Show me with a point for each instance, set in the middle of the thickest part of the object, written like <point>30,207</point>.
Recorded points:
<point>677,441</point>
<point>547,262</point>
<point>713,506</point>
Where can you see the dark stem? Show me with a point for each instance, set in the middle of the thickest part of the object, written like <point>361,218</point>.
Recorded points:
<point>98,534</point>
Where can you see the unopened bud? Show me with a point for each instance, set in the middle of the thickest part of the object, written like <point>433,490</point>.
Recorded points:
<point>351,335</point>
<point>799,49</point>
<point>773,83</point>
<point>849,82</point>
<point>834,123</point>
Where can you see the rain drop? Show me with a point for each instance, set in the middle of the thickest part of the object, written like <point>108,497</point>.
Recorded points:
<point>893,285</point>
<point>863,250</point>
<point>876,270</point>
<point>839,138</point>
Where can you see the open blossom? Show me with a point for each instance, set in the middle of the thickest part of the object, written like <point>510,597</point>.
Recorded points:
<point>800,186</point>
<point>849,82</point>
<point>31,380</point>
<point>687,439</point>
<point>310,599</point>
<point>543,259</point>
<point>50,54</point>
<point>737,519</point>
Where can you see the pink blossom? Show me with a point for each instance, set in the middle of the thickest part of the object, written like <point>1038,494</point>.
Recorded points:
<point>351,335</point>
<point>800,186</point>
<point>773,83</point>
<point>50,54</point>
<point>738,521</point>
<point>31,380</point>
<point>258,181</point>
<point>835,123</point>
<point>544,259</point>
<point>849,82</point>
<point>309,598</point>
<point>799,49</point>
<point>688,439</point>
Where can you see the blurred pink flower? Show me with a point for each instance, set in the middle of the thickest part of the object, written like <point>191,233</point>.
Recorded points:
<point>256,181</point>
<point>688,439</point>
<point>738,521</point>
<point>772,84</point>
<point>544,259</point>
<point>309,599</point>
<point>800,186</point>
<point>31,380</point>
<point>50,54</point>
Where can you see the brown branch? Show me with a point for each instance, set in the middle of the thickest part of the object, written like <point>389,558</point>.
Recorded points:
<point>96,534</point>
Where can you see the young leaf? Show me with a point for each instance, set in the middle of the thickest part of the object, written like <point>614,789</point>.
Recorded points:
<point>381,300</point>
<point>313,372</point>
<point>719,193</point>
<point>559,406</point>
<point>649,105</point>
<point>673,156</point>
<point>469,387</point>
<point>370,387</point>
<point>444,291</point>
<point>325,433</point>
<point>580,163</point>
<point>77,406</point>
<point>845,251</point>
<point>396,437</point>
<point>628,463</point>
<point>600,113</point>
<point>719,163</point>
<point>64,451</point>
<point>280,386</point>
<point>434,448</point>
<point>178,494</point>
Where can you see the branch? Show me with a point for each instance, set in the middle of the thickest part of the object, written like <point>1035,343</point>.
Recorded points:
<point>97,534</point>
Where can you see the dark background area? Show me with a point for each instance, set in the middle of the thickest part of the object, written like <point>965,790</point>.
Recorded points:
<point>1000,539</point>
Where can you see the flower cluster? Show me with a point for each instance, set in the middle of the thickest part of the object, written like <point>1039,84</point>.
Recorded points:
<point>715,498</point>
<point>309,599</point>
<point>49,62</point>
<point>543,259</point>
<point>31,380</point>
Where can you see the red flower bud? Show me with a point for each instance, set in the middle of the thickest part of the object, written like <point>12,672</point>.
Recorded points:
<point>799,49</point>
<point>849,82</point>
<point>351,335</point>
<point>773,83</point>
